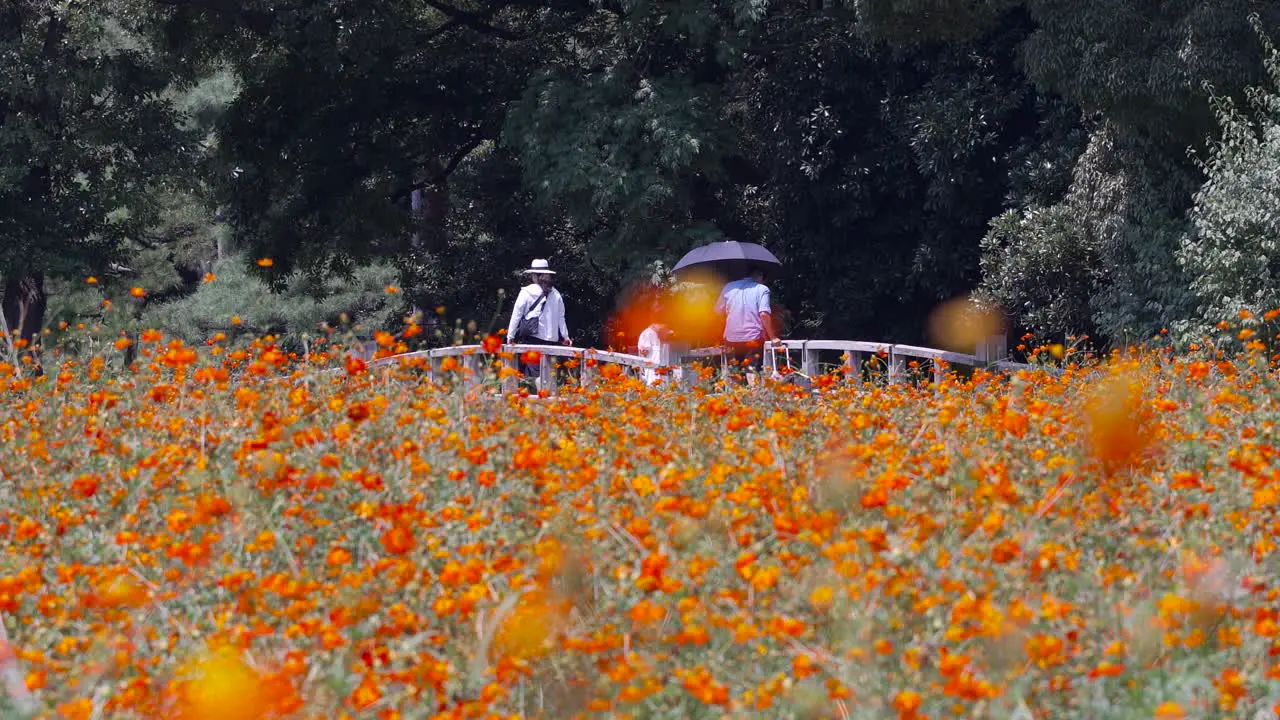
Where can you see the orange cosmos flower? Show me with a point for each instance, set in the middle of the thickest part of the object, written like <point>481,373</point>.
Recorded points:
<point>526,632</point>
<point>822,598</point>
<point>355,366</point>
<point>1119,426</point>
<point>221,686</point>
<point>907,703</point>
<point>647,612</point>
<point>365,694</point>
<point>398,540</point>
<point>123,591</point>
<point>265,262</point>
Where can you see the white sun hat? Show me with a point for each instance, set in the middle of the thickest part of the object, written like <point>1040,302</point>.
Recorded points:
<point>539,267</point>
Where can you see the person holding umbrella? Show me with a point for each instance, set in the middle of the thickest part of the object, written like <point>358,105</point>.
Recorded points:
<point>748,321</point>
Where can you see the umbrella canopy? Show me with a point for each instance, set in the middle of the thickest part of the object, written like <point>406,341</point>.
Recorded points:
<point>729,253</point>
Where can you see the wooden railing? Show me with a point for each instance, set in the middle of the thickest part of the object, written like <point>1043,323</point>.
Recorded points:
<point>896,358</point>
<point>470,356</point>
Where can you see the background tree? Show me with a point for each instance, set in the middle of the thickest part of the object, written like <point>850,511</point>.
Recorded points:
<point>893,154</point>
<point>88,142</point>
<point>1232,250</point>
<point>1142,72</point>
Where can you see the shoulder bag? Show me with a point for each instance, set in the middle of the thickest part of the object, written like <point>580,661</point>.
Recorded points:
<point>529,325</point>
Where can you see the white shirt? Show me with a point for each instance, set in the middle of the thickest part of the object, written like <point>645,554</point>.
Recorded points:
<point>550,314</point>
<point>741,302</point>
<point>653,349</point>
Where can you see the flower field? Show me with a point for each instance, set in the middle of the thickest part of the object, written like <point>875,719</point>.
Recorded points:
<point>236,535</point>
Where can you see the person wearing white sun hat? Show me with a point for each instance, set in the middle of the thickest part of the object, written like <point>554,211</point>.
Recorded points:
<point>538,315</point>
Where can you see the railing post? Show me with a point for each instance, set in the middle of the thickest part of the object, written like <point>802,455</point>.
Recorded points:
<point>665,371</point>
<point>546,374</point>
<point>992,349</point>
<point>470,370</point>
<point>433,368</point>
<point>586,373</point>
<point>853,365</point>
<point>939,372</point>
<point>897,366</point>
<point>511,381</point>
<point>808,359</point>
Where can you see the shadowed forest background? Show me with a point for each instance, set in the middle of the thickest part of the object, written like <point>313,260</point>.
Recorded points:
<point>1106,167</point>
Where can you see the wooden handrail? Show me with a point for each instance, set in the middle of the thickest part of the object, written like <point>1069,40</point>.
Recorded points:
<point>991,354</point>
<point>558,351</point>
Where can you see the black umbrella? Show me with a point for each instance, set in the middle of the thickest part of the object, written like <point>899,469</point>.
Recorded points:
<point>729,256</point>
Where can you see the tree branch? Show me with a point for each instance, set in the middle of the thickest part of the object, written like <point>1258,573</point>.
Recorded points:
<point>472,20</point>
<point>259,23</point>
<point>444,28</point>
<point>454,161</point>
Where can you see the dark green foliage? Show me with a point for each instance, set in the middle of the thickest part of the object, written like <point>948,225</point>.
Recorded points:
<point>301,308</point>
<point>87,138</point>
<point>1233,248</point>
<point>1143,72</point>
<point>1145,65</point>
<point>893,154</point>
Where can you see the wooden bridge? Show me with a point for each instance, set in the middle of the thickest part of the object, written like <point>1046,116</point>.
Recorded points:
<point>898,362</point>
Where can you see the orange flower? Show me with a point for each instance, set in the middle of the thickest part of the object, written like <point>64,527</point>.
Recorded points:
<point>85,486</point>
<point>36,680</point>
<point>123,591</point>
<point>1169,711</point>
<point>647,612</point>
<point>1118,425</point>
<point>366,693</point>
<point>265,262</point>
<point>221,686</point>
<point>526,631</point>
<point>355,366</point>
<point>822,598</point>
<point>398,540</point>
<point>137,292</point>
<point>907,703</point>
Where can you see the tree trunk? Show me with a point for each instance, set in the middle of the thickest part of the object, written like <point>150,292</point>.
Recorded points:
<point>24,305</point>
